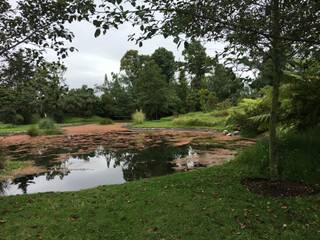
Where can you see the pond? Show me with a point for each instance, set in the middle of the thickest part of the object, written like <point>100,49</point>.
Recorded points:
<point>102,167</point>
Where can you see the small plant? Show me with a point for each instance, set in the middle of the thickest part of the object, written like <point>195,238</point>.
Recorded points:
<point>138,117</point>
<point>34,131</point>
<point>46,123</point>
<point>106,121</point>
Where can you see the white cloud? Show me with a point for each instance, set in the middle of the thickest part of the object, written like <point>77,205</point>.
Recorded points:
<point>100,56</point>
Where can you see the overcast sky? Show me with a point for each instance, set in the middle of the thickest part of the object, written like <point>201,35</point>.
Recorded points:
<point>100,56</point>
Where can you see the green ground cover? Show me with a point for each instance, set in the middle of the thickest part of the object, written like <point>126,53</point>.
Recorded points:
<point>203,204</point>
<point>216,120</point>
<point>6,129</point>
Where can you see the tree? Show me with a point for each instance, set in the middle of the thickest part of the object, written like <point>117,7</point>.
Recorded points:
<point>152,91</point>
<point>224,83</point>
<point>117,98</point>
<point>182,89</point>
<point>33,26</point>
<point>197,63</point>
<point>81,102</point>
<point>166,61</point>
<point>28,88</point>
<point>274,29</point>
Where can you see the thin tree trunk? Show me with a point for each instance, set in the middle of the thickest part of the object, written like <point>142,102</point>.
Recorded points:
<point>277,75</point>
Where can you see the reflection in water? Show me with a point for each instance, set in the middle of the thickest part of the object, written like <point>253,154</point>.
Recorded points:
<point>102,167</point>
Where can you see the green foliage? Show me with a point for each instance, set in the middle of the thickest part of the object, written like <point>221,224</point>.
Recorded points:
<point>299,157</point>
<point>34,131</point>
<point>138,117</point>
<point>194,122</point>
<point>166,61</point>
<point>208,101</point>
<point>251,116</point>
<point>46,123</point>
<point>106,121</point>
<point>197,62</point>
<point>117,100</point>
<point>205,194</point>
<point>153,91</point>
<point>224,83</point>
<point>45,126</point>
<point>81,102</point>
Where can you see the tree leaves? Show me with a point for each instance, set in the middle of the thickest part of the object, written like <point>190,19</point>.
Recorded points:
<point>97,33</point>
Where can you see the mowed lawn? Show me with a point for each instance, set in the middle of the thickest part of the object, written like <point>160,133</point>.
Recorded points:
<point>203,204</point>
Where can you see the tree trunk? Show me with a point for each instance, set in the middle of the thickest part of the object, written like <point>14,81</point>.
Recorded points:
<point>276,79</point>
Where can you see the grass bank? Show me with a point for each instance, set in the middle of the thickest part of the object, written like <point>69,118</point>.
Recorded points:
<point>203,204</point>
<point>216,120</point>
<point>6,129</point>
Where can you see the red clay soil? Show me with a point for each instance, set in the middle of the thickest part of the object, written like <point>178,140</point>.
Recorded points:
<point>73,130</point>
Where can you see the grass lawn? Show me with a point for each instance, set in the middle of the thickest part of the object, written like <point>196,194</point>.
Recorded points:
<point>216,120</point>
<point>203,204</point>
<point>6,129</point>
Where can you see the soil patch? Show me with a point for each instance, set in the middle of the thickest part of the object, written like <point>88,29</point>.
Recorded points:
<point>266,187</point>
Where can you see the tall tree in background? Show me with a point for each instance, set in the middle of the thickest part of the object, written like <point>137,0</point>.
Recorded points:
<point>152,90</point>
<point>166,61</point>
<point>273,29</point>
<point>197,63</point>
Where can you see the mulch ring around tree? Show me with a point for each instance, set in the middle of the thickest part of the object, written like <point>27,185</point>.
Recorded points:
<point>266,187</point>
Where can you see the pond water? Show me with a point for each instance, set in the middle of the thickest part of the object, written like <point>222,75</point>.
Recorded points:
<point>102,167</point>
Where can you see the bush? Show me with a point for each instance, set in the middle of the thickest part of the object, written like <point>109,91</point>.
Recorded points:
<point>45,126</point>
<point>46,123</point>
<point>251,116</point>
<point>138,117</point>
<point>106,121</point>
<point>299,157</point>
<point>192,122</point>
<point>34,131</point>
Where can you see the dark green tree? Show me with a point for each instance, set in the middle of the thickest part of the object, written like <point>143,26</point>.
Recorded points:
<point>152,91</point>
<point>275,29</point>
<point>197,63</point>
<point>166,61</point>
<point>81,102</point>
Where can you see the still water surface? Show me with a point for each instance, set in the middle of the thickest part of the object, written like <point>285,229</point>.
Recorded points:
<point>102,167</point>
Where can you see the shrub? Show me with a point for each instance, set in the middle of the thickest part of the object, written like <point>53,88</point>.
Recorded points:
<point>299,157</point>
<point>34,131</point>
<point>251,116</point>
<point>46,123</point>
<point>192,122</point>
<point>106,121</point>
<point>138,117</point>
<point>45,126</point>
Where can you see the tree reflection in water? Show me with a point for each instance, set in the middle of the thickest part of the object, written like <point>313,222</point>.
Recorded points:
<point>134,164</point>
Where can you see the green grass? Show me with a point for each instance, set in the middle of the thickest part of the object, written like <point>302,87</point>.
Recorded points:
<point>203,204</point>
<point>12,129</point>
<point>299,156</point>
<point>6,129</point>
<point>216,120</point>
